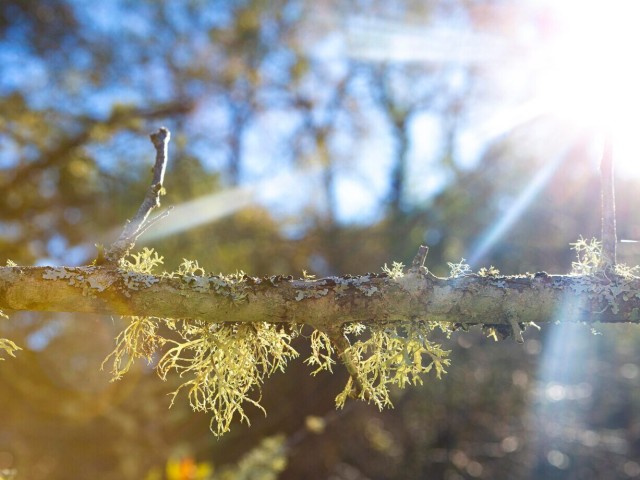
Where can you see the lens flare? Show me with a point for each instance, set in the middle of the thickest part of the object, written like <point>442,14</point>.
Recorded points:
<point>589,71</point>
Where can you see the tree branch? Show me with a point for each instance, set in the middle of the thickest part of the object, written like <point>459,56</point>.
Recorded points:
<point>325,303</point>
<point>139,224</point>
<point>609,237</point>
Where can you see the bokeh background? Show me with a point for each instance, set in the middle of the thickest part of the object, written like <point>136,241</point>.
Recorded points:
<point>321,135</point>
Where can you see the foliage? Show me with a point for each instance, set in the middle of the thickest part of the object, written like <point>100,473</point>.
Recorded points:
<point>264,462</point>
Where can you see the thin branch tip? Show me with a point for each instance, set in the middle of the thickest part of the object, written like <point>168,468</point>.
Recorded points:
<point>135,227</point>
<point>160,135</point>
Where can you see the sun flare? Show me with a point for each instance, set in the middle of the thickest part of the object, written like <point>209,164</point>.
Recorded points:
<point>591,71</point>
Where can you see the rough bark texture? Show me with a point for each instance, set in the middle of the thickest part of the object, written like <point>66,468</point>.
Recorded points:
<point>324,303</point>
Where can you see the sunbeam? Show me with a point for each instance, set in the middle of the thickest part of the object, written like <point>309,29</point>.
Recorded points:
<point>494,233</point>
<point>575,59</point>
<point>562,398</point>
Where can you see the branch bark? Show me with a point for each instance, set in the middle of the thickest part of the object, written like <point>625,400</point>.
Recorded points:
<point>609,236</point>
<point>325,303</point>
<point>140,223</point>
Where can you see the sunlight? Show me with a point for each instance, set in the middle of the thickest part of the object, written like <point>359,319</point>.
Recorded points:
<point>492,235</point>
<point>590,74</point>
<point>579,61</point>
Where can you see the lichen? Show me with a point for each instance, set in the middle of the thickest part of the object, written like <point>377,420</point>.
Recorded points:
<point>142,262</point>
<point>7,345</point>
<point>460,269</point>
<point>224,364</point>
<point>396,271</point>
<point>488,272</point>
<point>232,286</point>
<point>90,282</point>
<point>57,273</point>
<point>321,352</point>
<point>139,339</point>
<point>368,291</point>
<point>137,281</point>
<point>592,279</point>
<point>392,355</point>
<point>302,294</point>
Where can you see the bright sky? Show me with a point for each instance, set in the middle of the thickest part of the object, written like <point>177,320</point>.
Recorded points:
<point>590,71</point>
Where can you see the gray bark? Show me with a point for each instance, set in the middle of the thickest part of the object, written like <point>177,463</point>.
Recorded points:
<point>324,303</point>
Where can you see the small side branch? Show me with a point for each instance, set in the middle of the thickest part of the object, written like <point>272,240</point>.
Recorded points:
<point>609,238</point>
<point>516,331</point>
<point>140,223</point>
<point>418,261</point>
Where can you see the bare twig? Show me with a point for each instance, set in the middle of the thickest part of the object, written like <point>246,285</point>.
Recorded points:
<point>609,239</point>
<point>419,259</point>
<point>139,224</point>
<point>516,331</point>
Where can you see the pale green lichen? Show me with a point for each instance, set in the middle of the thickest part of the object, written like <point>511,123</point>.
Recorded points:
<point>594,279</point>
<point>460,269</point>
<point>391,356</point>
<point>90,284</point>
<point>488,272</point>
<point>363,283</point>
<point>302,294</point>
<point>137,281</point>
<point>9,347</point>
<point>321,352</point>
<point>142,262</point>
<point>139,339</point>
<point>225,364</point>
<point>368,291</point>
<point>341,288</point>
<point>232,286</point>
<point>396,271</point>
<point>589,255</point>
<point>57,273</point>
